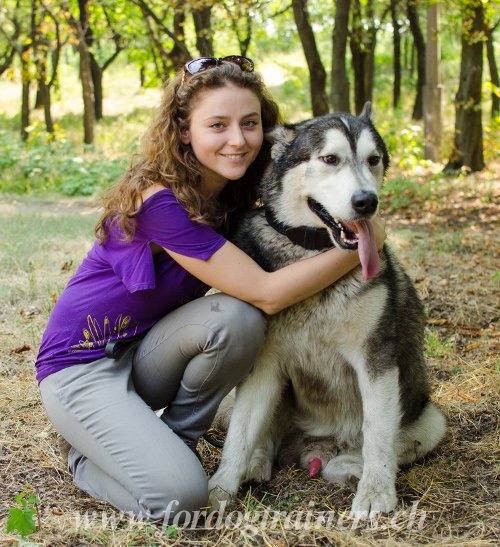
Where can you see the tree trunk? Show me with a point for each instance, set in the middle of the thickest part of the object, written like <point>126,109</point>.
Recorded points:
<point>317,73</point>
<point>203,28</point>
<point>44,91</point>
<point>87,90</point>
<point>96,72</point>
<point>40,49</point>
<point>433,119</point>
<point>362,43</point>
<point>25,103</point>
<point>418,39</point>
<point>85,40</point>
<point>468,145</point>
<point>339,85</point>
<point>177,55</point>
<point>396,61</point>
<point>490,51</point>
<point>38,97</point>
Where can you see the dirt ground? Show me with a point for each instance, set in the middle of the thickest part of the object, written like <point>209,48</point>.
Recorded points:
<point>449,245</point>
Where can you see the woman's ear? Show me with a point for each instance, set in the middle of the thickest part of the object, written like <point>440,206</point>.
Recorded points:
<point>185,136</point>
<point>184,129</point>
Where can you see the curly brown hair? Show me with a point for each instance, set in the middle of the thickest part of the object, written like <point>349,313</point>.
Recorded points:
<point>165,160</point>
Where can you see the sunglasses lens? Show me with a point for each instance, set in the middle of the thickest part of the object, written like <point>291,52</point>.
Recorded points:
<point>197,65</point>
<point>243,62</point>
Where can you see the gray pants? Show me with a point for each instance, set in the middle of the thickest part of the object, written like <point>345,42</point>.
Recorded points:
<point>122,452</point>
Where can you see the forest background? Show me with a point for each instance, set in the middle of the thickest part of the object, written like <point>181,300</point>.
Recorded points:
<point>79,80</point>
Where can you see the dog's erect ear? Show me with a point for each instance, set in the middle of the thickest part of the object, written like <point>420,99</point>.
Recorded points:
<point>280,133</point>
<point>366,113</point>
<point>279,137</point>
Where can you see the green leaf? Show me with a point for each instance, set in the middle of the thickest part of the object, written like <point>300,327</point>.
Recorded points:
<point>21,520</point>
<point>33,499</point>
<point>171,531</point>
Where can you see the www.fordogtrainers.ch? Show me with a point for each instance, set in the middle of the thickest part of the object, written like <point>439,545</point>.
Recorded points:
<point>250,522</point>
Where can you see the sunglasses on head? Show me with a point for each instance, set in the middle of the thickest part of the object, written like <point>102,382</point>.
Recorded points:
<point>205,63</point>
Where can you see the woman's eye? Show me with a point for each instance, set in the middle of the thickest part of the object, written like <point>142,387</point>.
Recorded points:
<point>330,159</point>
<point>249,123</point>
<point>374,160</point>
<point>217,125</point>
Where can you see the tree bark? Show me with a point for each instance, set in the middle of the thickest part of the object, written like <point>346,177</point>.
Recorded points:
<point>25,102</point>
<point>433,119</point>
<point>203,29</point>
<point>419,42</point>
<point>177,54</point>
<point>85,73</point>
<point>468,144</point>
<point>96,73</point>
<point>43,99</point>
<point>96,70</point>
<point>87,90</point>
<point>339,85</point>
<point>490,51</point>
<point>396,61</point>
<point>44,90</point>
<point>363,42</point>
<point>317,73</point>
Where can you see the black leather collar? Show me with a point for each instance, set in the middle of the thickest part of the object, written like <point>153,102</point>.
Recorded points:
<point>313,239</point>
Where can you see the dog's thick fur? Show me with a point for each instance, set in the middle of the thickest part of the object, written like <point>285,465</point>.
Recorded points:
<point>342,375</point>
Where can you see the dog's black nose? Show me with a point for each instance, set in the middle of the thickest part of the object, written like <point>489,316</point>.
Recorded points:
<point>364,202</point>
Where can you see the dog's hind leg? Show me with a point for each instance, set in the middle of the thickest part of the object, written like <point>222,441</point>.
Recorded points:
<point>256,401</point>
<point>417,439</point>
<point>345,469</point>
<point>381,420</point>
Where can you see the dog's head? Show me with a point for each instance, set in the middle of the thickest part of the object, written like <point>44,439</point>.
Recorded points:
<point>326,173</point>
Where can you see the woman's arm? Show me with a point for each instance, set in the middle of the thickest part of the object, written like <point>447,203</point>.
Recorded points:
<point>232,271</point>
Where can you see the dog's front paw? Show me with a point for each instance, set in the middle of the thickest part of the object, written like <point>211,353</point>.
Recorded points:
<point>221,490</point>
<point>218,498</point>
<point>372,498</point>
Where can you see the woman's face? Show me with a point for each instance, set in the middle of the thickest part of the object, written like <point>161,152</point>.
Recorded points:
<point>225,133</point>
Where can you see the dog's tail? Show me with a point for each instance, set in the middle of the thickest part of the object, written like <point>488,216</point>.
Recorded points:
<point>421,436</point>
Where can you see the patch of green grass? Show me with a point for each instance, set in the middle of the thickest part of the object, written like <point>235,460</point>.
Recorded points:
<point>30,282</point>
<point>451,242</point>
<point>436,347</point>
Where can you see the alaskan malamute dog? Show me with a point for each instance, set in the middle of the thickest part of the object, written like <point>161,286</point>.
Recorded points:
<point>341,385</point>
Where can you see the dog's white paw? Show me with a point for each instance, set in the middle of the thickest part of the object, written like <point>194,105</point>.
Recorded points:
<point>218,498</point>
<point>260,468</point>
<point>345,469</point>
<point>222,488</point>
<point>373,498</point>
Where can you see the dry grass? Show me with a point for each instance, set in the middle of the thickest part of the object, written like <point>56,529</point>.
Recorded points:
<point>449,245</point>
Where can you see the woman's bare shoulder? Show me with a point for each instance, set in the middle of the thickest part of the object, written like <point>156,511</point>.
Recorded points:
<point>151,191</point>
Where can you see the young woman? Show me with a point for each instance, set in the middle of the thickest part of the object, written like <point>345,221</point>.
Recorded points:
<point>160,245</point>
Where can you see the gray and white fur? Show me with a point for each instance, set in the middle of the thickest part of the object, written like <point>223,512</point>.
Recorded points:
<point>346,365</point>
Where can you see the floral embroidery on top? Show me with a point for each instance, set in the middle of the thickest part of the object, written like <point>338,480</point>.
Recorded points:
<point>95,337</point>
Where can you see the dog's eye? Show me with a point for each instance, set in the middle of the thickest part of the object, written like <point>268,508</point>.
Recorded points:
<point>331,159</point>
<point>374,160</point>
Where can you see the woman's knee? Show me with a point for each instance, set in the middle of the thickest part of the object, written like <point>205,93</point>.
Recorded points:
<point>241,320</point>
<point>176,495</point>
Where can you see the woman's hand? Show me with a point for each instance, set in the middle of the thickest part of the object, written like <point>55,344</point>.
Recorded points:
<point>378,230</point>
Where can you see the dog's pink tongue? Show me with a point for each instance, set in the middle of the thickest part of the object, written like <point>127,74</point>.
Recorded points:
<point>314,467</point>
<point>368,254</point>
